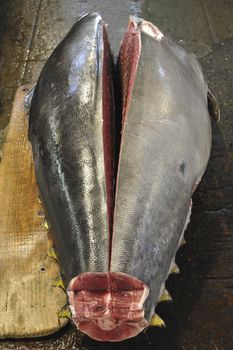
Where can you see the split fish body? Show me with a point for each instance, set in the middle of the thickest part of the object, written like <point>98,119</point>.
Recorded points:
<point>117,232</point>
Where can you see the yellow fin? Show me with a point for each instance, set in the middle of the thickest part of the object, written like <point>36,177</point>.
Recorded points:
<point>52,254</point>
<point>39,200</point>
<point>157,321</point>
<point>64,313</point>
<point>175,269</point>
<point>45,224</point>
<point>183,241</point>
<point>165,296</point>
<point>59,283</point>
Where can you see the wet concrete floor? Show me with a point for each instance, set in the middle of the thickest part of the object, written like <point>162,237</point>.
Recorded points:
<point>201,316</point>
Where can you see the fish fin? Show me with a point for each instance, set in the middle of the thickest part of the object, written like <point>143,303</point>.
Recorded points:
<point>175,269</point>
<point>213,106</point>
<point>39,200</point>
<point>157,321</point>
<point>52,254</point>
<point>64,313</point>
<point>28,99</point>
<point>59,283</point>
<point>165,296</point>
<point>45,224</point>
<point>182,242</point>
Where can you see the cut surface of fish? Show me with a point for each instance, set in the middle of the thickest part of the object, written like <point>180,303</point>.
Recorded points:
<point>108,306</point>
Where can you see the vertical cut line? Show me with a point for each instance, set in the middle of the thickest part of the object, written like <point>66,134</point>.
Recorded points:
<point>128,60</point>
<point>108,134</point>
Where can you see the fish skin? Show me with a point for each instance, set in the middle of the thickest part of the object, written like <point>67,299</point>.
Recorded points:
<point>65,129</point>
<point>165,147</point>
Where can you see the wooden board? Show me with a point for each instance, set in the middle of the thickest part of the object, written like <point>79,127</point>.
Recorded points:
<point>29,301</point>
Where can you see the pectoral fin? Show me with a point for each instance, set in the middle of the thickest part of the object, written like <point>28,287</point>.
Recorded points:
<point>213,106</point>
<point>28,100</point>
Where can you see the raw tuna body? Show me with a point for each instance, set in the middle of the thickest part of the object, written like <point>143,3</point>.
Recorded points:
<point>118,224</point>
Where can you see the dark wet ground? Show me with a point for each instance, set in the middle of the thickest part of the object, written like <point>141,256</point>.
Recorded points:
<point>201,316</point>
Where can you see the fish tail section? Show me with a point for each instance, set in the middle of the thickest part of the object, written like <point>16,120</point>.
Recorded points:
<point>108,306</point>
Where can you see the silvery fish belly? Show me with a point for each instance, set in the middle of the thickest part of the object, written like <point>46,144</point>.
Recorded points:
<point>118,215</point>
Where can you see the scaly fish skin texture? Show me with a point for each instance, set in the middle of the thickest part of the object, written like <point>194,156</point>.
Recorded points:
<point>116,250</point>
<point>66,120</point>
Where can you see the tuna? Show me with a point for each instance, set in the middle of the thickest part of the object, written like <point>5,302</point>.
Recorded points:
<point>118,214</point>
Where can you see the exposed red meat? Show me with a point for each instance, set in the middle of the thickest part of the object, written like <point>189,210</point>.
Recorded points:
<point>108,130</point>
<point>128,61</point>
<point>108,306</point>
